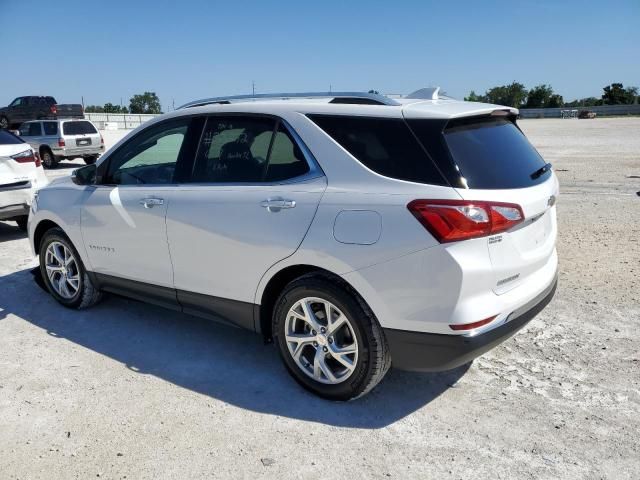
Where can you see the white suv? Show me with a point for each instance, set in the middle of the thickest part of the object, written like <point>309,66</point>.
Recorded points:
<point>353,230</point>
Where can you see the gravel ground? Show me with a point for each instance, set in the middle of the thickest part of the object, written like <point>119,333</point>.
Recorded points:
<point>127,390</point>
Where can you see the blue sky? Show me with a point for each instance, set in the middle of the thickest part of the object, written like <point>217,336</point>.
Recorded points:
<point>107,50</point>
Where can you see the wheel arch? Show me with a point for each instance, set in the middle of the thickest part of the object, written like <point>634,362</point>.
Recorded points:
<point>275,285</point>
<point>38,234</point>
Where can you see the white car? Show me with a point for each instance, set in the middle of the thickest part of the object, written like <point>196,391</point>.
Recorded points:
<point>353,230</point>
<point>21,174</point>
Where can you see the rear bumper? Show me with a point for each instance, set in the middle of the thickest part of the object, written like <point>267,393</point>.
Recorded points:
<point>15,199</point>
<point>11,211</point>
<point>74,152</point>
<point>433,352</point>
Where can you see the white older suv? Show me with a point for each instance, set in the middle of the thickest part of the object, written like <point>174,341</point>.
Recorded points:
<point>353,230</point>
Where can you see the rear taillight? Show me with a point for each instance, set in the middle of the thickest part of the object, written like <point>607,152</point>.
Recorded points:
<point>27,156</point>
<point>54,109</point>
<point>61,142</point>
<point>455,220</point>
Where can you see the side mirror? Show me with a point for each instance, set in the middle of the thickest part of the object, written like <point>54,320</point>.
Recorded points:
<point>85,175</point>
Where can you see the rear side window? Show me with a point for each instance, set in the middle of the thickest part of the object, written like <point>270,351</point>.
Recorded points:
<point>78,128</point>
<point>384,145</point>
<point>50,128</point>
<point>7,138</point>
<point>488,153</point>
<point>285,159</point>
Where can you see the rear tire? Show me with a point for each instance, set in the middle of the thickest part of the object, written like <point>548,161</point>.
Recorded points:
<point>63,272</point>
<point>338,362</point>
<point>90,160</point>
<point>22,222</point>
<point>49,160</point>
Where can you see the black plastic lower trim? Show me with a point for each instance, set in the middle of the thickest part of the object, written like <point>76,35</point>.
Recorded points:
<point>432,352</point>
<point>230,312</point>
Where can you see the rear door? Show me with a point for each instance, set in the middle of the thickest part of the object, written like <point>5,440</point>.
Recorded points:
<point>81,137</point>
<point>496,162</point>
<point>248,204</point>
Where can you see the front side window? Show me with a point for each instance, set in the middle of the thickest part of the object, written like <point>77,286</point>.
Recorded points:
<point>150,157</point>
<point>50,128</point>
<point>78,128</point>
<point>17,102</point>
<point>31,129</point>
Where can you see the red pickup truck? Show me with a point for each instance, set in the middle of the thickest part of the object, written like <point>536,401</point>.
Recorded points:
<point>23,109</point>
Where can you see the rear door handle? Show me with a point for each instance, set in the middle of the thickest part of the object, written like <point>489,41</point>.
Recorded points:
<point>276,204</point>
<point>151,202</point>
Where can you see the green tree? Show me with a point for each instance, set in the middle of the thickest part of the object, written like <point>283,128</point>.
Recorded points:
<point>584,102</point>
<point>110,108</point>
<point>555,101</point>
<point>94,109</point>
<point>473,97</point>
<point>512,95</point>
<point>539,96</point>
<point>148,102</point>
<point>616,94</point>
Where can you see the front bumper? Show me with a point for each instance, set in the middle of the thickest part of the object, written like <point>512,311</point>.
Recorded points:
<point>434,352</point>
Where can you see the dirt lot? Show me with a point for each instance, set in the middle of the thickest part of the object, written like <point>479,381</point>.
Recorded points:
<point>127,390</point>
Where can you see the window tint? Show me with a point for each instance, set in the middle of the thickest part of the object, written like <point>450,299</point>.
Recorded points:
<point>7,138</point>
<point>50,128</point>
<point>285,159</point>
<point>78,128</point>
<point>233,149</point>
<point>18,101</point>
<point>385,145</point>
<point>150,157</point>
<point>494,154</point>
<point>31,129</point>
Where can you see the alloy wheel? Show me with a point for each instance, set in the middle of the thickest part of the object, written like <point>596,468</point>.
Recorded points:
<point>321,340</point>
<point>62,270</point>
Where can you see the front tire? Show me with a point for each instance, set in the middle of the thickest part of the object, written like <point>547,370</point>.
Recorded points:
<point>63,272</point>
<point>329,339</point>
<point>4,123</point>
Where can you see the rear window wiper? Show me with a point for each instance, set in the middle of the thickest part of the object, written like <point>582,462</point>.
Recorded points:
<point>541,171</point>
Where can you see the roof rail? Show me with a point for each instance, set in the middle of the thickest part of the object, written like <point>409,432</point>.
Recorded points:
<point>337,97</point>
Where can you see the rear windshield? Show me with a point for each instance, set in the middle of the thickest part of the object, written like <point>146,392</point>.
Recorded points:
<point>490,153</point>
<point>78,128</point>
<point>7,138</point>
<point>384,145</point>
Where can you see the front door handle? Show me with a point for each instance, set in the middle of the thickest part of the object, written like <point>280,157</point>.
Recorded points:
<point>277,204</point>
<point>151,202</point>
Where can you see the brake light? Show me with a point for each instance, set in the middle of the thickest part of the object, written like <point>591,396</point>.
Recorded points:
<point>61,142</point>
<point>54,109</point>
<point>27,156</point>
<point>455,220</point>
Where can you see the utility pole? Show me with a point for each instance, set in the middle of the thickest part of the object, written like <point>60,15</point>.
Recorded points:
<point>253,87</point>
<point>173,103</point>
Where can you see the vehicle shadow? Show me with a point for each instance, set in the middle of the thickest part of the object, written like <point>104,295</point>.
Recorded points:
<point>69,164</point>
<point>10,231</point>
<point>222,362</point>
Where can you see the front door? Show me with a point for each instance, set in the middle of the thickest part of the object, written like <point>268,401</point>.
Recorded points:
<point>250,201</point>
<point>123,218</point>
